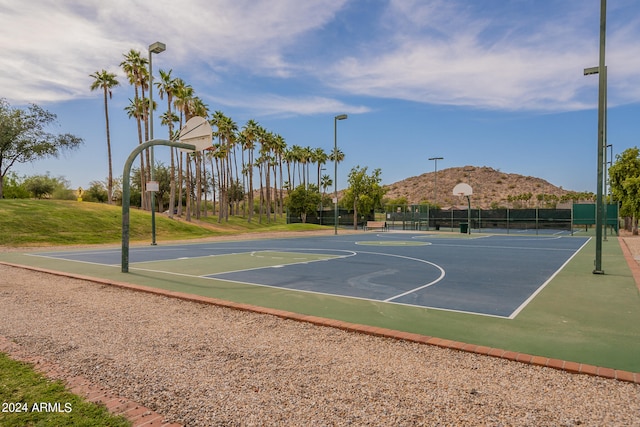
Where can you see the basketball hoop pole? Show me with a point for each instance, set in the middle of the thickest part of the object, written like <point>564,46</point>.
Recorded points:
<point>126,191</point>
<point>465,190</point>
<point>468,214</point>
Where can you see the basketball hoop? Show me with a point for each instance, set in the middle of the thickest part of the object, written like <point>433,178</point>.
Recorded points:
<point>197,131</point>
<point>465,190</point>
<point>462,189</point>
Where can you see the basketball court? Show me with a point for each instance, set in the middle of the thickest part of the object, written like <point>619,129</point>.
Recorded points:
<point>488,275</point>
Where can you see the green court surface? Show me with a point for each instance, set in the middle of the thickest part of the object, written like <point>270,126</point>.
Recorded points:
<point>229,262</point>
<point>578,316</point>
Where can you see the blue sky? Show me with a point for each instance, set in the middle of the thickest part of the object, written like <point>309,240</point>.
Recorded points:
<point>495,83</point>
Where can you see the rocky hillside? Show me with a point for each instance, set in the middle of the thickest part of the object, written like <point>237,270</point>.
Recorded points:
<point>491,188</point>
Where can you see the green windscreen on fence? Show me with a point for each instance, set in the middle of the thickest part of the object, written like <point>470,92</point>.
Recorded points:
<point>424,217</point>
<point>585,214</point>
<point>420,217</point>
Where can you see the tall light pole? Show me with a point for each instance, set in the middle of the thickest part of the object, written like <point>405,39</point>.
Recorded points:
<point>156,47</point>
<point>435,178</point>
<point>601,70</point>
<point>607,200</point>
<point>335,170</point>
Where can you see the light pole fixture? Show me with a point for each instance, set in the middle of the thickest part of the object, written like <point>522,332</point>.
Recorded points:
<point>601,70</point>
<point>435,178</point>
<point>156,47</point>
<point>335,170</point>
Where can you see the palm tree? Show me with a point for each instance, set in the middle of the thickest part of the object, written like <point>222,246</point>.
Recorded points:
<point>183,94</point>
<point>198,108</point>
<point>266,143</point>
<point>336,155</point>
<point>135,110</point>
<point>220,155</point>
<point>289,158</point>
<point>135,66</point>
<point>325,183</point>
<point>106,81</point>
<point>296,156</point>
<point>279,148</point>
<point>250,135</point>
<point>166,86</point>
<point>226,133</point>
<point>306,157</point>
<point>320,158</point>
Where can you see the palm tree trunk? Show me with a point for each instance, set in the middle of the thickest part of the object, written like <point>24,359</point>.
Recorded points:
<point>188,188</point>
<point>244,185</point>
<point>267,179</point>
<point>251,203</point>
<point>180,179</point>
<point>229,182</point>
<point>196,161</point>
<point>172,185</point>
<point>110,177</point>
<point>261,193</point>
<point>281,190</point>
<point>203,163</point>
<point>213,185</point>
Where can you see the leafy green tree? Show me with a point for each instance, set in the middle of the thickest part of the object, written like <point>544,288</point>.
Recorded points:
<point>303,201</point>
<point>236,193</point>
<point>162,175</point>
<point>96,192</point>
<point>624,178</point>
<point>46,186</point>
<point>364,193</point>
<point>14,187</point>
<point>401,201</point>
<point>106,81</point>
<point>23,138</point>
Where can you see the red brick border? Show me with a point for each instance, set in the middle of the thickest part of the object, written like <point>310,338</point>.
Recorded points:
<point>572,367</point>
<point>631,262</point>
<point>138,415</point>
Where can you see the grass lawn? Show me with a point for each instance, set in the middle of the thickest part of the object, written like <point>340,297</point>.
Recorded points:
<point>60,222</point>
<point>29,399</point>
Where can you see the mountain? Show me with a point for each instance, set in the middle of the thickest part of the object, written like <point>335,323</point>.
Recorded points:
<point>491,187</point>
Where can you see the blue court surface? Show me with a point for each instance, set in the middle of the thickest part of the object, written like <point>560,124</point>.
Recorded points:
<point>493,275</point>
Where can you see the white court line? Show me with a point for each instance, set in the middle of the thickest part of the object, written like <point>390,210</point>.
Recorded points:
<point>442,273</point>
<point>212,275</point>
<point>533,295</point>
<point>61,254</point>
<point>524,248</point>
<point>302,261</point>
<point>151,261</point>
<point>73,260</point>
<point>425,307</point>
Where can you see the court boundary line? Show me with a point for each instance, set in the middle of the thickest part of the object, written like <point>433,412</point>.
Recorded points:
<point>70,260</point>
<point>544,285</point>
<point>424,307</point>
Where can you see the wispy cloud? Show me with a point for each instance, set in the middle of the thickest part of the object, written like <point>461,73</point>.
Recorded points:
<point>439,53</point>
<point>50,46</point>
<point>521,55</point>
<point>282,106</point>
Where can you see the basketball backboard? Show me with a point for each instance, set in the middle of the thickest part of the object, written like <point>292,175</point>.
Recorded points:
<point>197,131</point>
<point>462,189</point>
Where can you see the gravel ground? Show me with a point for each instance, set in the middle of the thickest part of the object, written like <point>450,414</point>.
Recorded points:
<point>207,366</point>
